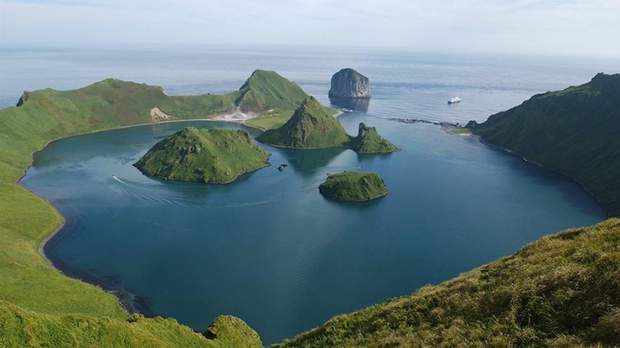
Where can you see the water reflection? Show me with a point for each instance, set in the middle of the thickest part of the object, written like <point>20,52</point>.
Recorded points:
<point>355,104</point>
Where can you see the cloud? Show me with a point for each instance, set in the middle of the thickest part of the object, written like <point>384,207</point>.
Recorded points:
<point>52,3</point>
<point>566,27</point>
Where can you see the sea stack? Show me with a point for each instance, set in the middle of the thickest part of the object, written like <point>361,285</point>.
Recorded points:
<point>350,90</point>
<point>348,83</point>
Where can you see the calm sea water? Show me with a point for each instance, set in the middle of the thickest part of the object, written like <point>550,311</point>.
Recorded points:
<point>268,248</point>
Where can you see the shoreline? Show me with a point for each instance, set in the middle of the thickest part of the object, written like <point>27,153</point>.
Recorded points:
<point>132,303</point>
<point>42,244</point>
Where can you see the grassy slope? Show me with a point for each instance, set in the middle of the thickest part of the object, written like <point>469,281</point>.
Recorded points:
<point>216,156</point>
<point>25,219</point>
<point>311,126</point>
<point>574,132</point>
<point>563,290</point>
<point>353,186</point>
<point>267,90</point>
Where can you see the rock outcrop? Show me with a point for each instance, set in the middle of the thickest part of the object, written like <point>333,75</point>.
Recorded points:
<point>368,141</point>
<point>348,83</point>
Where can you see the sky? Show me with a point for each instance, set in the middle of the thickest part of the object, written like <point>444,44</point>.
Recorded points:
<point>532,27</point>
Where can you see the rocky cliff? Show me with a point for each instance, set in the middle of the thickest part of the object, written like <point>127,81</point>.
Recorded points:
<point>348,83</point>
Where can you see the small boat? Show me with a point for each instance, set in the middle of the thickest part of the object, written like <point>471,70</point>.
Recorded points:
<point>454,100</point>
<point>282,166</point>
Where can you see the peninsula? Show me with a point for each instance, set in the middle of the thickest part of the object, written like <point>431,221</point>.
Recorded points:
<point>573,132</point>
<point>353,186</point>
<point>211,156</point>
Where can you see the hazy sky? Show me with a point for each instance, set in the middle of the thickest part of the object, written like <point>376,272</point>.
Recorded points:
<point>549,27</point>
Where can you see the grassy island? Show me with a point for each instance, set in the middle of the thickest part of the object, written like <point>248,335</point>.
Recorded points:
<point>216,156</point>
<point>574,132</point>
<point>312,127</point>
<point>368,141</point>
<point>350,186</point>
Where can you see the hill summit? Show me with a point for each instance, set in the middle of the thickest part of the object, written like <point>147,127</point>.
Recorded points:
<point>265,90</point>
<point>311,126</point>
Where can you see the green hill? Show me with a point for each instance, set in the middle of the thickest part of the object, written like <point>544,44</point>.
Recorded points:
<point>561,291</point>
<point>266,90</point>
<point>351,186</point>
<point>368,141</point>
<point>216,156</point>
<point>574,132</point>
<point>313,126</point>
<point>310,127</point>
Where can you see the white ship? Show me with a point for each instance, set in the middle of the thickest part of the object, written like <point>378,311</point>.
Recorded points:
<point>454,100</point>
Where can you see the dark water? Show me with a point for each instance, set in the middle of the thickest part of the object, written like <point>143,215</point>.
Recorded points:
<point>269,248</point>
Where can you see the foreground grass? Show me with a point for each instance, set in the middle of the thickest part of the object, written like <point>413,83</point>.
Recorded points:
<point>561,291</point>
<point>22,328</point>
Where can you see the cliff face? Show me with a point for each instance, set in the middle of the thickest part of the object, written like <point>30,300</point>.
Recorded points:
<point>348,83</point>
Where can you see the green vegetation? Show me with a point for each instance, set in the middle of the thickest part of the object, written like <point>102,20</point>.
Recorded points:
<point>269,119</point>
<point>33,293</point>
<point>266,90</point>
<point>368,141</point>
<point>573,132</point>
<point>351,186</point>
<point>310,127</point>
<point>561,291</point>
<point>23,328</point>
<point>217,156</point>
